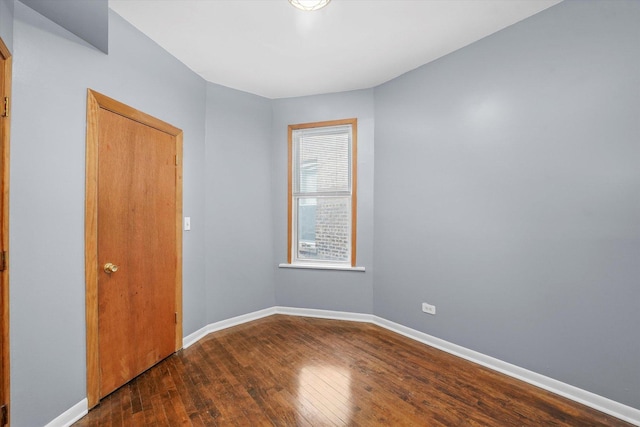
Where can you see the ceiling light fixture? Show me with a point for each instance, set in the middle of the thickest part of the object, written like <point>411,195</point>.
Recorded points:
<point>309,5</point>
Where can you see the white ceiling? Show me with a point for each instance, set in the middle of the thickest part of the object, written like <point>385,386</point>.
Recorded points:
<point>269,48</point>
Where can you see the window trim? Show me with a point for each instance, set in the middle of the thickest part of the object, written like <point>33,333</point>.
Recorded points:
<point>354,185</point>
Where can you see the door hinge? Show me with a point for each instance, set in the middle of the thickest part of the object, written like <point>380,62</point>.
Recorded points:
<point>5,112</point>
<point>3,260</point>
<point>176,317</point>
<point>176,158</point>
<point>4,415</point>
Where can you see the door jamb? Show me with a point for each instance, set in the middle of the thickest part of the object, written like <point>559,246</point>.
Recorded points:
<point>95,102</point>
<point>5,93</point>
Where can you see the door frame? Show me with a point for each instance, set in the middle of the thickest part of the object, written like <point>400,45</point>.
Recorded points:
<point>5,121</point>
<point>95,102</point>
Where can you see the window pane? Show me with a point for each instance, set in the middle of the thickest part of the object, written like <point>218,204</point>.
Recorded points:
<point>323,160</point>
<point>324,228</point>
<point>309,176</point>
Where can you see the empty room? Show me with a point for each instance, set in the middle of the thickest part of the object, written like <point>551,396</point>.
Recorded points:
<point>320,213</point>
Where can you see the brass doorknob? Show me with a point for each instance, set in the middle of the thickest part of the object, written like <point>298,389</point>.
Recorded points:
<point>110,268</point>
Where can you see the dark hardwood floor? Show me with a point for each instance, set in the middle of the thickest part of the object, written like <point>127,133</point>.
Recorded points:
<point>295,371</point>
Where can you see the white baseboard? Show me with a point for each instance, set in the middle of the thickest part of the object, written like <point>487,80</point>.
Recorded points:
<point>592,400</point>
<point>224,324</point>
<point>602,404</point>
<point>325,314</point>
<point>291,311</point>
<point>71,415</point>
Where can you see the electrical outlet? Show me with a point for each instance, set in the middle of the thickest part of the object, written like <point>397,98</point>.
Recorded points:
<point>428,308</point>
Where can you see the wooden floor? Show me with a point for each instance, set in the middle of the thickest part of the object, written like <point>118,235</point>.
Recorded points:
<point>294,371</point>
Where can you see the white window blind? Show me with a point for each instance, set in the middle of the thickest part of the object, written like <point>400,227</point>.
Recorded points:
<point>322,160</point>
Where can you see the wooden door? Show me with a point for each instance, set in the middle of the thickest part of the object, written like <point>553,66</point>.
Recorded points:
<point>5,95</point>
<point>137,244</point>
<point>136,215</point>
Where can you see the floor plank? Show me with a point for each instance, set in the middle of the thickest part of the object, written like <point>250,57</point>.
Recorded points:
<point>296,371</point>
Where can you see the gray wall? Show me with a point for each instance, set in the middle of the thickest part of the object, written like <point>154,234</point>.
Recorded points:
<point>238,207</point>
<point>52,71</point>
<point>507,194</point>
<point>329,290</point>
<point>88,20</point>
<point>6,22</point>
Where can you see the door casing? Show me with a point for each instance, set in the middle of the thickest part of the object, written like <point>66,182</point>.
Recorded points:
<point>5,93</point>
<point>95,102</point>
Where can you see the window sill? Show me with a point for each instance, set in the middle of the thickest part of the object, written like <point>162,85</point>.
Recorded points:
<point>321,267</point>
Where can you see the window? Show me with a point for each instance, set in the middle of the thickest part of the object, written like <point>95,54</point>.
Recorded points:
<point>322,193</point>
